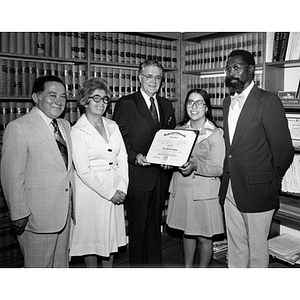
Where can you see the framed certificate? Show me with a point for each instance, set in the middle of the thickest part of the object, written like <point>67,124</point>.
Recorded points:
<point>294,127</point>
<point>172,146</point>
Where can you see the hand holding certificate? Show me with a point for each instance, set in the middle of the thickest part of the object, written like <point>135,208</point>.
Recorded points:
<point>172,147</point>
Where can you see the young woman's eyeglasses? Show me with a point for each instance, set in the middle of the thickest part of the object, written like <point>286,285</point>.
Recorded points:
<point>198,103</point>
<point>150,77</point>
<point>235,69</point>
<point>98,98</point>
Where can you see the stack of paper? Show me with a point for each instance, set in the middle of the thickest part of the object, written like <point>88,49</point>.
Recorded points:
<point>285,247</point>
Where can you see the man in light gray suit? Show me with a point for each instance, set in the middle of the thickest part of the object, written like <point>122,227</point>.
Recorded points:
<point>37,179</point>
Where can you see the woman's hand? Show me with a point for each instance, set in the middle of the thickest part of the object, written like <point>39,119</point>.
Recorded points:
<point>187,168</point>
<point>118,198</point>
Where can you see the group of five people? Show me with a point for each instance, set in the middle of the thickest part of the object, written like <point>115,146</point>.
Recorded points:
<point>105,169</point>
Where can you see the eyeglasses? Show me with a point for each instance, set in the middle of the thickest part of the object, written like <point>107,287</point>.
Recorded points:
<point>198,103</point>
<point>235,69</point>
<point>150,77</point>
<point>98,98</point>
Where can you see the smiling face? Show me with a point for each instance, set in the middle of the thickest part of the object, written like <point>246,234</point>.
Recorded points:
<point>150,86</point>
<point>52,100</point>
<point>238,82</point>
<point>96,109</point>
<point>194,112</point>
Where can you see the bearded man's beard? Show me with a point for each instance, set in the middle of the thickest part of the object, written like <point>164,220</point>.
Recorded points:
<point>235,85</point>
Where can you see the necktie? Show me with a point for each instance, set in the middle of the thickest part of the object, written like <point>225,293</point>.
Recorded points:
<point>237,99</point>
<point>61,143</point>
<point>154,111</point>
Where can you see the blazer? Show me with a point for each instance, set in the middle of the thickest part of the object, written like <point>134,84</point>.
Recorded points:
<point>35,181</point>
<point>260,153</point>
<point>208,155</point>
<point>138,129</point>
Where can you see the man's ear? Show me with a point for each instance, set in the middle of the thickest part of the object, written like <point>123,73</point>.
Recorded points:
<point>251,69</point>
<point>35,98</point>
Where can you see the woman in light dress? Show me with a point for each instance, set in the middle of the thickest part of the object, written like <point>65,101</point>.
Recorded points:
<point>194,204</point>
<point>100,160</point>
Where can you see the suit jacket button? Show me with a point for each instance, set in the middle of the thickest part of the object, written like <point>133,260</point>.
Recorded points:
<point>229,156</point>
<point>66,189</point>
<point>193,177</point>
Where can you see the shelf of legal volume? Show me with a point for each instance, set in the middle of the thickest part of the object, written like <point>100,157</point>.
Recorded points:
<point>284,64</point>
<point>214,71</point>
<point>289,210</point>
<point>40,58</point>
<point>292,106</point>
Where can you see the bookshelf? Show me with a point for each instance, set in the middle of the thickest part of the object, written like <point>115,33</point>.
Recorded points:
<point>76,57</point>
<point>204,56</point>
<point>282,73</point>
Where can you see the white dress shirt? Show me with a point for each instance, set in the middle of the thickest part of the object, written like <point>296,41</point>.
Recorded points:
<point>234,112</point>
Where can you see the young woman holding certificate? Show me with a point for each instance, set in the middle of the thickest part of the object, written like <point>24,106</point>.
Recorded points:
<point>194,204</point>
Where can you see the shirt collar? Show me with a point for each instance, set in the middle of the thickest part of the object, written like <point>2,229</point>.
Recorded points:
<point>147,98</point>
<point>247,91</point>
<point>44,117</point>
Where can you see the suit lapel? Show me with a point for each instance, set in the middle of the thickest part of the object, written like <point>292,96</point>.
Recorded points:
<point>250,107</point>
<point>143,109</point>
<point>226,105</point>
<point>40,129</point>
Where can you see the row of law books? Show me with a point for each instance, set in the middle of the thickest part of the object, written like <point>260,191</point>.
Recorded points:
<point>17,76</point>
<point>47,44</point>
<point>132,49</point>
<point>11,110</point>
<point>212,54</point>
<point>282,46</point>
<point>123,82</point>
<point>215,86</point>
<point>217,115</point>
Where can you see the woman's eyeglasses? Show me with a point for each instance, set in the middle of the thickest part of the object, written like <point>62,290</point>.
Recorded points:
<point>98,98</point>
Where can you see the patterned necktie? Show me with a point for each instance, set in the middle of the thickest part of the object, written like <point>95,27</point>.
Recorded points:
<point>154,111</point>
<point>61,143</point>
<point>237,99</point>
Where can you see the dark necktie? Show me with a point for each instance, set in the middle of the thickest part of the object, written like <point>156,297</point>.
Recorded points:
<point>61,143</point>
<point>154,111</point>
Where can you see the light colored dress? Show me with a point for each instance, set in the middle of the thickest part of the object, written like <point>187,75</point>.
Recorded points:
<point>194,203</point>
<point>101,168</point>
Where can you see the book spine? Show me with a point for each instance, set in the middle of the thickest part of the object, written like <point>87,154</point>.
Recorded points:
<point>115,47</point>
<point>4,41</point>
<point>33,43</point>
<point>109,56</point>
<point>24,78</point>
<point>10,77</point>
<point>20,42</point>
<point>12,42</point>
<point>47,44</point>
<point>40,43</point>
<point>75,80</point>
<point>3,78</point>
<point>121,47</point>
<point>61,44</point>
<point>74,45</point>
<point>103,53</point>
<point>81,45</point>
<point>68,45</point>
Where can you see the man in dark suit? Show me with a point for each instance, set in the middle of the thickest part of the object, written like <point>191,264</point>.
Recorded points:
<point>258,152</point>
<point>139,119</point>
